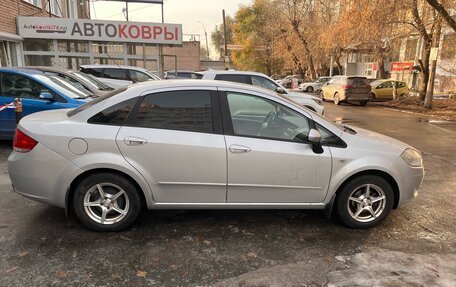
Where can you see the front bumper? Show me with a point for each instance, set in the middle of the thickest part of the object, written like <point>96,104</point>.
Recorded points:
<point>41,175</point>
<point>409,179</point>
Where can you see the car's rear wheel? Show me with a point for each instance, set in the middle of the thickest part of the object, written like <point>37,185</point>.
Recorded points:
<point>336,99</point>
<point>106,202</point>
<point>309,89</point>
<point>322,96</point>
<point>365,201</point>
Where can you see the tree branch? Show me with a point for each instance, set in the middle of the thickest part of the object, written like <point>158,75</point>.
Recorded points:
<point>443,12</point>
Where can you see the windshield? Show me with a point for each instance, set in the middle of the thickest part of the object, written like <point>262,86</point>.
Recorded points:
<point>82,94</point>
<point>67,92</point>
<point>92,81</point>
<point>376,83</point>
<point>95,101</point>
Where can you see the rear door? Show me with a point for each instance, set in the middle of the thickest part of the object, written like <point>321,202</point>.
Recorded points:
<point>385,90</point>
<point>175,140</point>
<point>116,77</point>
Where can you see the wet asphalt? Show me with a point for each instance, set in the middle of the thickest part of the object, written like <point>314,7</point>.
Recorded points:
<point>415,246</point>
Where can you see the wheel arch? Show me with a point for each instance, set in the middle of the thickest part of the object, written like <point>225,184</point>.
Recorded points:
<point>85,174</point>
<point>386,176</point>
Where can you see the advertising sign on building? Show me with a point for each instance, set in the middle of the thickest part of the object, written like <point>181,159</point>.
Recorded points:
<point>401,66</point>
<point>97,30</point>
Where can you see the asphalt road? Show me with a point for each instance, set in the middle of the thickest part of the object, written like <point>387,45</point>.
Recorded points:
<point>415,246</point>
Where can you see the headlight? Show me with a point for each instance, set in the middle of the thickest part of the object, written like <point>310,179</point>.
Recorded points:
<point>412,158</point>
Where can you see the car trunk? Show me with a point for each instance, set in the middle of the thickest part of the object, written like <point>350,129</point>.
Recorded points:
<point>358,88</point>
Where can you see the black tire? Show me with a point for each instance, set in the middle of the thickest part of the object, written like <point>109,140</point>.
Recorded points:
<point>363,103</point>
<point>109,182</point>
<point>322,96</point>
<point>336,99</point>
<point>309,89</point>
<point>345,207</point>
<point>373,96</point>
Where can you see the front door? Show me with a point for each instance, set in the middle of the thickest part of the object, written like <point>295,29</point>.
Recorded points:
<point>269,158</point>
<point>175,141</point>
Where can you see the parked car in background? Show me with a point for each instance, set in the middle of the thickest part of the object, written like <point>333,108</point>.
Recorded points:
<point>383,89</point>
<point>181,74</point>
<point>347,89</point>
<point>311,87</point>
<point>36,91</point>
<point>207,144</point>
<point>118,76</point>
<point>261,80</point>
<point>82,80</point>
<point>288,81</point>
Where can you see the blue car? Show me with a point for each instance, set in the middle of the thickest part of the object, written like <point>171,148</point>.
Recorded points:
<point>37,92</point>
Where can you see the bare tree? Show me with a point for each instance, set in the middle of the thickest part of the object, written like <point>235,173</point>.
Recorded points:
<point>443,13</point>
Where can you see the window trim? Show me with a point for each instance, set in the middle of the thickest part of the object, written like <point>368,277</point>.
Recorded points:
<point>228,123</point>
<point>40,6</point>
<point>215,105</point>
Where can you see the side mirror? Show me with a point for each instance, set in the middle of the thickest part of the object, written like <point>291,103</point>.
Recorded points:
<point>281,90</point>
<point>46,96</point>
<point>315,138</point>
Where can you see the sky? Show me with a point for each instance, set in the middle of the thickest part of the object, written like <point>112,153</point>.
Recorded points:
<point>185,12</point>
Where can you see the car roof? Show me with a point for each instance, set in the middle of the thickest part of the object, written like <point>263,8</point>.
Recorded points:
<point>227,72</point>
<point>21,70</point>
<point>113,67</point>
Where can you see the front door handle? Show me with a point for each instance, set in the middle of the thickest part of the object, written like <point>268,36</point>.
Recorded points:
<point>134,141</point>
<point>239,148</point>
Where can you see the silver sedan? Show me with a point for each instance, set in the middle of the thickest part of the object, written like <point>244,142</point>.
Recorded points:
<point>207,144</point>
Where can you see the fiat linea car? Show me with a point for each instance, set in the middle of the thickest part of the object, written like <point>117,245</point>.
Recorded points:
<point>183,144</point>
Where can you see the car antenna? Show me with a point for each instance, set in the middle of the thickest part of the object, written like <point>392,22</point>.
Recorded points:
<point>125,70</point>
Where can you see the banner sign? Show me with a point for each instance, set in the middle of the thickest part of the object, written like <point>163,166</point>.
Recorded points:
<point>98,30</point>
<point>401,66</point>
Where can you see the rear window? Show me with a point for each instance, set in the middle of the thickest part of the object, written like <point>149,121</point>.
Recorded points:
<point>358,82</point>
<point>95,101</point>
<point>116,74</point>
<point>244,79</point>
<point>92,71</point>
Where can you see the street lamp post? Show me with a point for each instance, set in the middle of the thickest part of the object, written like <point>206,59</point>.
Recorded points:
<point>205,33</point>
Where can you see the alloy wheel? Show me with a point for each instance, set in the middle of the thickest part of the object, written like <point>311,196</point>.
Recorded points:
<point>366,203</point>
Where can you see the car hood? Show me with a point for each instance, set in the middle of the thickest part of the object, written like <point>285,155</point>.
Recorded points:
<point>367,139</point>
<point>302,95</point>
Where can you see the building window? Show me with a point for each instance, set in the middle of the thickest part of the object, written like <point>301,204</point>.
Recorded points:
<point>55,7</point>
<point>37,3</point>
<point>72,8</point>
<point>38,45</point>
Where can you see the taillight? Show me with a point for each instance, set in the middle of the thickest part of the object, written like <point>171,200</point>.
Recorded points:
<point>369,86</point>
<point>22,142</point>
<point>346,87</point>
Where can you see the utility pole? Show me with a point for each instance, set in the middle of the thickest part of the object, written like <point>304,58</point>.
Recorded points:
<point>205,34</point>
<point>433,58</point>
<point>224,39</point>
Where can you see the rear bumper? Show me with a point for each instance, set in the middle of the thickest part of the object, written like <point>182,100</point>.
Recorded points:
<point>41,175</point>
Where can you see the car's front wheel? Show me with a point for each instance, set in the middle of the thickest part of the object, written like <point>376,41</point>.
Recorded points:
<point>336,99</point>
<point>365,201</point>
<point>106,202</point>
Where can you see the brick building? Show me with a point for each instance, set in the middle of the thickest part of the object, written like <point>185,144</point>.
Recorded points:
<point>51,48</point>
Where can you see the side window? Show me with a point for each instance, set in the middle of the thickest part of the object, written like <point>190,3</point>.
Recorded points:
<point>400,84</point>
<point>117,74</point>
<point>264,83</point>
<point>115,115</point>
<point>176,110</point>
<point>18,86</point>
<point>138,76</point>
<point>388,85</point>
<point>328,138</point>
<point>244,79</point>
<point>92,71</point>
<point>258,117</point>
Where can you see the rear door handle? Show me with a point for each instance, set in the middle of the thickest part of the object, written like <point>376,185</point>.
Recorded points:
<point>239,148</point>
<point>134,141</point>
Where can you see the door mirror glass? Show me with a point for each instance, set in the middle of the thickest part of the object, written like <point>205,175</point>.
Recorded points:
<point>281,90</point>
<point>314,136</point>
<point>46,96</point>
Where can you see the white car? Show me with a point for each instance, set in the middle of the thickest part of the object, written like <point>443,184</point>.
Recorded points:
<point>117,76</point>
<point>311,87</point>
<point>313,103</point>
<point>183,144</point>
